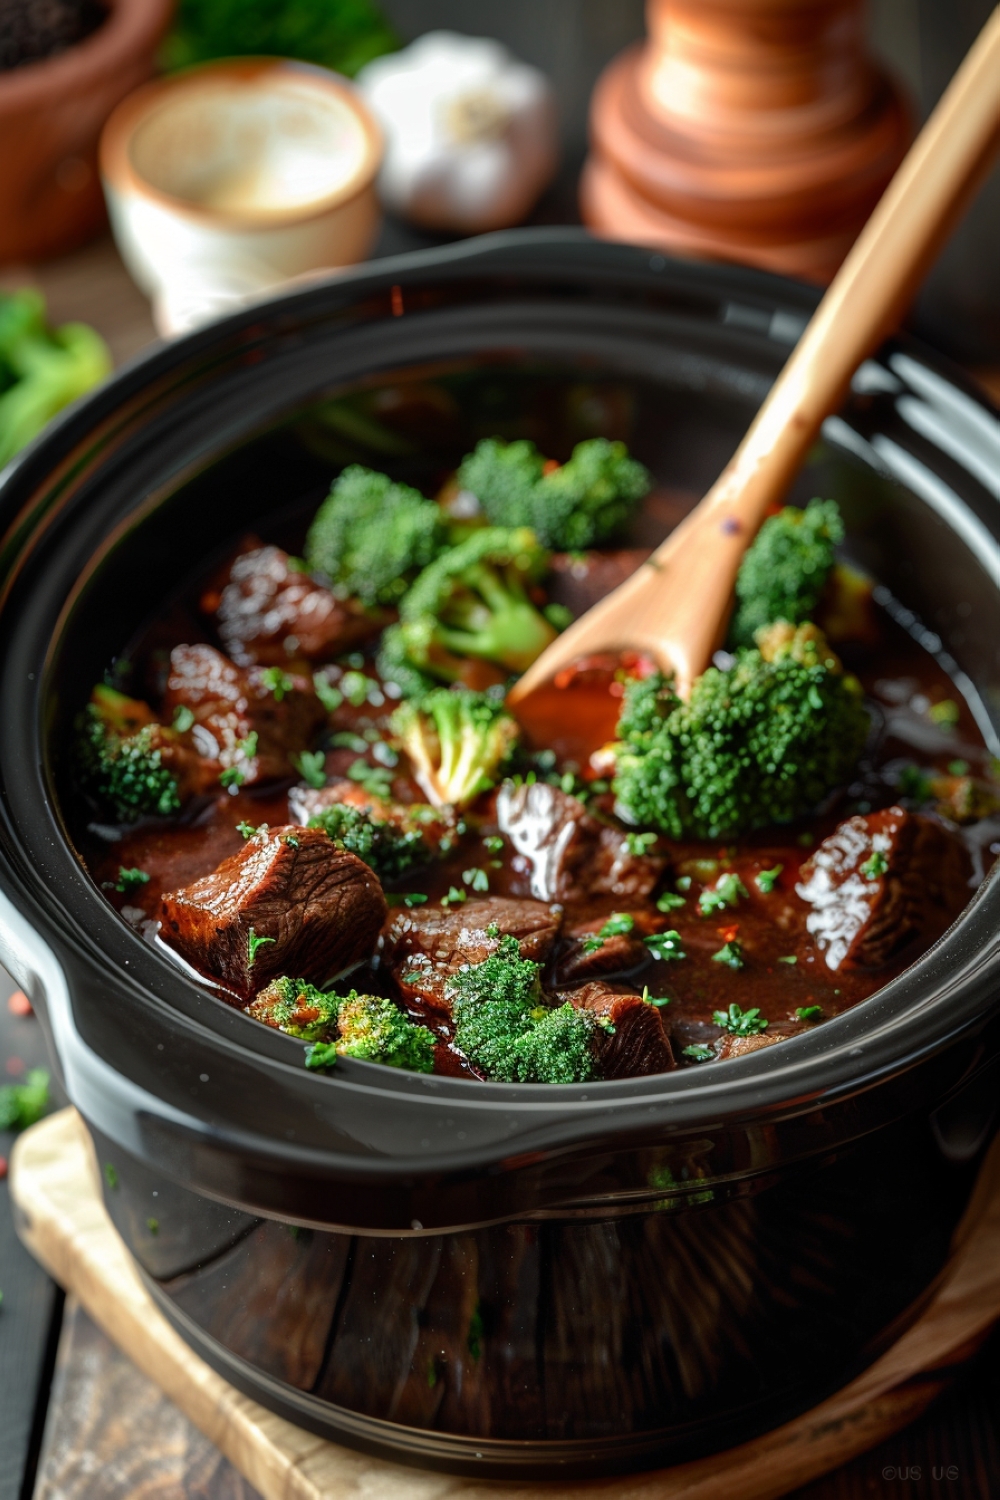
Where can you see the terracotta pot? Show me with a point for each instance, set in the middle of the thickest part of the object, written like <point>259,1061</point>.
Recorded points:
<point>51,114</point>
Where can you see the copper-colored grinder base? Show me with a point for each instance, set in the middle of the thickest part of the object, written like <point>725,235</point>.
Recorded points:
<point>749,130</point>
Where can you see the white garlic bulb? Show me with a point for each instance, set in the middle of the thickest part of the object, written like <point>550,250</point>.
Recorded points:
<point>470,132</point>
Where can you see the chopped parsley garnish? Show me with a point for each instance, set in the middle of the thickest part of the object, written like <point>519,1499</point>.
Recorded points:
<point>649,999</point>
<point>698,1052</point>
<point>809,1012</point>
<point>375,780</point>
<point>619,922</point>
<point>248,746</point>
<point>110,1175</point>
<point>726,892</point>
<point>290,840</point>
<point>455,897</point>
<point>246,829</point>
<point>321,1055</point>
<point>183,718</point>
<point>669,901</point>
<point>128,880</point>
<point>153,1225</point>
<point>765,880</point>
<point>958,767</point>
<point>946,713</point>
<point>788,958</point>
<point>740,1022</point>
<point>414,898</point>
<point>683,882</point>
<point>639,843</point>
<point>355,687</point>
<point>232,776</point>
<point>330,697</point>
<point>253,943</point>
<point>277,682</point>
<point>731,954</point>
<point>477,879</point>
<point>494,842</point>
<point>311,766</point>
<point>875,865</point>
<point>666,945</point>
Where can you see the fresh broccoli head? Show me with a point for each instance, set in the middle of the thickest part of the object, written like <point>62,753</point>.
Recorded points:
<point>786,568</point>
<point>504,1028</point>
<point>376,1030</point>
<point>759,743</point>
<point>389,848</point>
<point>371,536</point>
<point>120,748</point>
<point>366,1026</point>
<point>569,506</point>
<point>473,602</point>
<point>458,742</point>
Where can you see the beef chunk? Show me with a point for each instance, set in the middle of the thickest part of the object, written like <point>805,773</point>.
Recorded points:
<point>571,852</point>
<point>879,881</point>
<point>243,717</point>
<point>638,1044</point>
<point>270,613</point>
<point>425,947</point>
<point>436,825</point>
<point>618,954</point>
<point>738,1046</point>
<point>578,580</point>
<point>318,908</point>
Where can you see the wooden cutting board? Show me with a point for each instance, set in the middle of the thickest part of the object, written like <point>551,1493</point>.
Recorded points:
<point>63,1222</point>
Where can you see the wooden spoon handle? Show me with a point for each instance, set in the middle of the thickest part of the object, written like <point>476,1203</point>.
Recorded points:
<point>677,606</point>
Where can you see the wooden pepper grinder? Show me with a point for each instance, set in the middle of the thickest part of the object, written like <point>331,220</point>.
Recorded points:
<point>758,131</point>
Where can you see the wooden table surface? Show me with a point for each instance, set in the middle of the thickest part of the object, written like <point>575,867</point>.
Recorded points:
<point>79,1422</point>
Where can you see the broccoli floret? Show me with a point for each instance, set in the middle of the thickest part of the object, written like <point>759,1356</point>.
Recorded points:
<point>504,1028</point>
<point>298,1008</point>
<point>473,602</point>
<point>365,1026</point>
<point>22,1104</point>
<point>759,743</point>
<point>41,369</point>
<point>389,849</point>
<point>375,1029</point>
<point>569,506</point>
<point>119,755</point>
<point>786,567</point>
<point>458,742</point>
<point>371,536</point>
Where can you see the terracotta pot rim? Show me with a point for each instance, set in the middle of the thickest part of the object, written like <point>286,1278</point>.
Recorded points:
<point>131,27</point>
<point>120,173</point>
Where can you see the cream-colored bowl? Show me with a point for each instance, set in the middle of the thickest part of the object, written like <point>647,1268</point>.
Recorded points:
<point>225,181</point>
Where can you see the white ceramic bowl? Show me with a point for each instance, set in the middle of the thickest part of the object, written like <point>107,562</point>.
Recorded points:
<point>225,181</point>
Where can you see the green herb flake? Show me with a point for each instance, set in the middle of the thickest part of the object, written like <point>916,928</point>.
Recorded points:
<point>375,780</point>
<point>232,776</point>
<point>639,843</point>
<point>24,1104</point>
<point>731,954</point>
<point>669,901</point>
<point>494,842</point>
<point>355,687</point>
<point>958,767</point>
<point>765,880</point>
<point>649,999</point>
<point>415,898</point>
<point>740,1022</point>
<point>277,682</point>
<point>683,882</point>
<point>788,958</point>
<point>330,697</point>
<point>476,878</point>
<point>253,943</point>
<point>321,1055</point>
<point>726,892</point>
<point>455,897</point>
<point>618,923</point>
<point>311,766</point>
<point>666,946</point>
<point>110,1176</point>
<point>875,865</point>
<point>183,718</point>
<point>945,714</point>
<point>290,840</point>
<point>130,880</point>
<point>809,1012</point>
<point>153,1225</point>
<point>698,1052</point>
<point>246,829</point>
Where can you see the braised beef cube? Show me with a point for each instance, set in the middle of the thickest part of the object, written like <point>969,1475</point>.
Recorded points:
<point>289,902</point>
<point>571,852</point>
<point>436,825</point>
<point>578,580</point>
<point>269,613</point>
<point>738,1046</point>
<point>630,1039</point>
<point>196,773</point>
<point>879,881</point>
<point>251,720</point>
<point>425,947</point>
<point>581,958</point>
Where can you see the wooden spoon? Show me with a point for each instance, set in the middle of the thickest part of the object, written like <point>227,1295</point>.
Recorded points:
<point>676,606</point>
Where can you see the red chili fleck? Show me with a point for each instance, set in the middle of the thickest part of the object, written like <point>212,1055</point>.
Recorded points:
<point>397,302</point>
<point>19,1004</point>
<point>3,1168</point>
<point>728,934</point>
<point>14,1066</point>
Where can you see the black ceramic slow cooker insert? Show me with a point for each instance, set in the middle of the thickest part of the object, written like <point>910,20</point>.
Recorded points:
<point>508,1280</point>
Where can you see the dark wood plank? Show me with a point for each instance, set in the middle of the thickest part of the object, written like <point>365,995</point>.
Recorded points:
<point>113,1435</point>
<point>32,1303</point>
